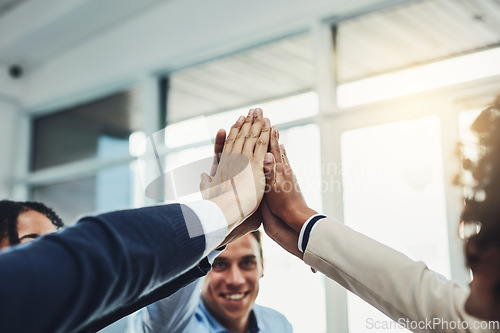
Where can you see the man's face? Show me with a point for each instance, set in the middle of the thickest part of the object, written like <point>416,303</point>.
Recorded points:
<point>30,225</point>
<point>484,299</point>
<point>230,289</point>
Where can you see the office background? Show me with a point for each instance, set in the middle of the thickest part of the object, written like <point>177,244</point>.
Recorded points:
<point>370,97</point>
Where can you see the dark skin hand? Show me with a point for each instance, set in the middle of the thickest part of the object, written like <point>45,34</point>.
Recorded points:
<point>284,209</point>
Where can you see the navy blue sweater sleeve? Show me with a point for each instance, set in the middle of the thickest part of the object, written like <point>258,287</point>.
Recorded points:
<point>62,282</point>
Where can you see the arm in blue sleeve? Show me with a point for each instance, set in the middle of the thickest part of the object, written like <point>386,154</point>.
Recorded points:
<point>62,282</point>
<point>161,292</point>
<point>171,314</point>
<point>174,313</point>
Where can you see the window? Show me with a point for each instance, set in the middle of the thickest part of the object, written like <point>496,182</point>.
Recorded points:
<point>394,173</point>
<point>81,163</point>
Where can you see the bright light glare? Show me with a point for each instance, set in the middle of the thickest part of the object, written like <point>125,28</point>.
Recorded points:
<point>204,128</point>
<point>137,144</point>
<point>436,75</point>
<point>187,132</point>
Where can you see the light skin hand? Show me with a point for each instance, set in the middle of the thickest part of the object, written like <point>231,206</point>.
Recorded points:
<point>254,221</point>
<point>238,193</point>
<point>283,195</point>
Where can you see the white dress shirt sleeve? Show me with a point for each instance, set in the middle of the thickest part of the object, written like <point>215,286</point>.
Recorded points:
<point>213,222</point>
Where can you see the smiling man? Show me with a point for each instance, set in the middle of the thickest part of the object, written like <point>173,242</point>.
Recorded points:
<point>226,303</point>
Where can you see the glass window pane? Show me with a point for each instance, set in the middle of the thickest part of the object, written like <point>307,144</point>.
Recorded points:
<point>109,189</point>
<point>205,127</point>
<point>394,173</point>
<point>283,272</point>
<point>97,129</point>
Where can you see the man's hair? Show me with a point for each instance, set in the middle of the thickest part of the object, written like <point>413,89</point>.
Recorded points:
<point>10,210</point>
<point>258,237</point>
<point>483,204</point>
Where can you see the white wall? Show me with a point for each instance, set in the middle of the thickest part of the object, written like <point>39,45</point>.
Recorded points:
<point>8,124</point>
<point>10,95</point>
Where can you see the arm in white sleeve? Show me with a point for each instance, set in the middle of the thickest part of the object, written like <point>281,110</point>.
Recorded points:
<point>387,279</point>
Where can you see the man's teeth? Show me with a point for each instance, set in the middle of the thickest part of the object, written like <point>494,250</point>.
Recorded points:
<point>234,297</point>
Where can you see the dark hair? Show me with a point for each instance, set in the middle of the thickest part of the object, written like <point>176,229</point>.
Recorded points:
<point>10,210</point>
<point>258,237</point>
<point>483,203</point>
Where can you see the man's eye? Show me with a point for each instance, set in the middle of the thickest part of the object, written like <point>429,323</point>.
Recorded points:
<point>218,266</point>
<point>248,264</point>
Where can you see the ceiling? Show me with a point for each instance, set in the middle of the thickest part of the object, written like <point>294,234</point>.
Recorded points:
<point>396,38</point>
<point>31,35</point>
<point>413,34</point>
<point>7,5</point>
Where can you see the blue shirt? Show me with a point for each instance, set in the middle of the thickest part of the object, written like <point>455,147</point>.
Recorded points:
<point>262,320</point>
<point>184,312</point>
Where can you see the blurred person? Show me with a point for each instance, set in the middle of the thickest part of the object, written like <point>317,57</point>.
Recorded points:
<point>226,302</point>
<point>85,274</point>
<point>406,291</point>
<point>24,221</point>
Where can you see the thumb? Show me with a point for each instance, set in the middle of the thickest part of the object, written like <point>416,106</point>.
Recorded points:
<point>269,169</point>
<point>206,180</point>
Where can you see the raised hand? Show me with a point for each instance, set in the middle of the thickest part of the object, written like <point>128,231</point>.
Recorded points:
<point>237,178</point>
<point>250,224</point>
<point>283,195</point>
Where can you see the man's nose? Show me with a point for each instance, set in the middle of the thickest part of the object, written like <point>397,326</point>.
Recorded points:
<point>235,276</point>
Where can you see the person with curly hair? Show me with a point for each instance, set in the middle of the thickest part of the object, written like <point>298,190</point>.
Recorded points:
<point>23,221</point>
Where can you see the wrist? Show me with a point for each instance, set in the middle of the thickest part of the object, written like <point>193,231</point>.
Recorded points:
<point>299,216</point>
<point>232,208</point>
<point>229,209</point>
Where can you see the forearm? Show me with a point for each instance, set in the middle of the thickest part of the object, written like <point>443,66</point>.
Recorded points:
<point>93,268</point>
<point>385,278</point>
<point>171,314</point>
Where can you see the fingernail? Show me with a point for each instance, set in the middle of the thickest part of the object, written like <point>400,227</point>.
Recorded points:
<point>266,122</point>
<point>258,112</point>
<point>268,158</point>
<point>277,134</point>
<point>251,113</point>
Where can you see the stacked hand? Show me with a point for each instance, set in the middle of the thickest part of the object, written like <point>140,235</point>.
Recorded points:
<point>237,181</point>
<point>283,208</point>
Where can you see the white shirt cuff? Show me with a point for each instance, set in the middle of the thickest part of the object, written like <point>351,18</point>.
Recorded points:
<point>213,222</point>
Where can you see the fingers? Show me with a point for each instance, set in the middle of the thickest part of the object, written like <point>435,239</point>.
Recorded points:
<point>254,133</point>
<point>263,142</point>
<point>220,138</point>
<point>231,138</point>
<point>284,159</point>
<point>269,169</point>
<point>252,125</point>
<point>205,185</point>
<point>276,151</point>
